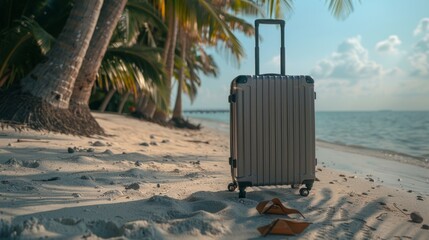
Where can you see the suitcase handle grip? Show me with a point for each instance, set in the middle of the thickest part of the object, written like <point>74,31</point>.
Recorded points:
<point>282,47</point>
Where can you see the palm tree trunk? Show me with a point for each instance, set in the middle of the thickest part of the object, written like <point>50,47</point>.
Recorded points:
<point>42,100</point>
<point>124,100</point>
<point>177,112</point>
<point>161,115</point>
<point>170,33</point>
<point>106,100</point>
<point>142,102</point>
<point>109,17</point>
<point>149,110</point>
<point>53,80</point>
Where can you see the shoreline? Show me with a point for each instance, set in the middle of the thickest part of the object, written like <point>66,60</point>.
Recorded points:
<point>379,153</point>
<point>175,187</point>
<point>373,152</point>
<point>386,167</point>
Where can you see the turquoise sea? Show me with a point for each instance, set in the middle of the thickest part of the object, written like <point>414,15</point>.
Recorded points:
<point>406,133</point>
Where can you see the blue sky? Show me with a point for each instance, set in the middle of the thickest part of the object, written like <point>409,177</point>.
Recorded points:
<point>376,59</point>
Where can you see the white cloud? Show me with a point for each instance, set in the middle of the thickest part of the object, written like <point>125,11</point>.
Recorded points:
<point>275,61</point>
<point>349,62</point>
<point>420,63</point>
<point>389,45</point>
<point>419,56</point>
<point>422,27</point>
<point>350,79</point>
<point>395,72</point>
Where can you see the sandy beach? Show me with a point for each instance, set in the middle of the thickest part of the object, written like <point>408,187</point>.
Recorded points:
<point>144,181</point>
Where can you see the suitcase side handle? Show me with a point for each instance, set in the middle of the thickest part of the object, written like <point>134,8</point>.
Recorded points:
<point>282,42</point>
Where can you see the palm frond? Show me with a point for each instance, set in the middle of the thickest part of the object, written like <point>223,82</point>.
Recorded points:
<point>138,14</point>
<point>43,39</point>
<point>239,24</point>
<point>198,62</point>
<point>11,10</point>
<point>244,7</point>
<point>217,30</point>
<point>27,30</point>
<point>341,9</point>
<point>131,69</point>
<point>20,51</point>
<point>275,7</point>
<point>143,11</point>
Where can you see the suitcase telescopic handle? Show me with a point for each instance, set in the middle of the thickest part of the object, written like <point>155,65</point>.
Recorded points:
<point>282,47</point>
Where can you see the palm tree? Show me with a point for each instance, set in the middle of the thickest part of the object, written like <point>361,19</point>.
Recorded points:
<point>106,24</point>
<point>215,38</point>
<point>134,48</point>
<point>109,17</point>
<point>42,100</point>
<point>194,61</point>
<point>206,19</point>
<point>130,60</point>
<point>47,88</point>
<point>177,112</point>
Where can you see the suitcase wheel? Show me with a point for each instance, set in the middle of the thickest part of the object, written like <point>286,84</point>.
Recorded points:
<point>232,187</point>
<point>304,192</point>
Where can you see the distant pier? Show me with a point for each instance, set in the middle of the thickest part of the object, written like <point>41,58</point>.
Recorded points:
<point>207,111</point>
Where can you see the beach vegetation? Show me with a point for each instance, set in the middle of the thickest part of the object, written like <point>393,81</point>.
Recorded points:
<point>60,59</point>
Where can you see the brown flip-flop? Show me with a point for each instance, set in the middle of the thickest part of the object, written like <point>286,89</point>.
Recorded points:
<point>275,206</point>
<point>283,227</point>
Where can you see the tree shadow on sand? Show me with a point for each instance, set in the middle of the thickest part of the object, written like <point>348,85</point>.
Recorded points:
<point>206,214</point>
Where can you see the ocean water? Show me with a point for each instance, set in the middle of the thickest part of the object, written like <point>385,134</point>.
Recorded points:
<point>401,132</point>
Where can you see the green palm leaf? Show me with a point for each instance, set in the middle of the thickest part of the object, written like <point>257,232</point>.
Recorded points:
<point>137,17</point>
<point>43,39</point>
<point>25,34</point>
<point>22,48</point>
<point>131,69</point>
<point>341,8</point>
<point>240,7</point>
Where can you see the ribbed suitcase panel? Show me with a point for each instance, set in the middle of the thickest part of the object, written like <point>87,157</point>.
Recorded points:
<point>278,131</point>
<point>275,130</point>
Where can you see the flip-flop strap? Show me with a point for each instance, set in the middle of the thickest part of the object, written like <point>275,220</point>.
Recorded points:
<point>261,207</point>
<point>287,227</point>
<point>267,229</point>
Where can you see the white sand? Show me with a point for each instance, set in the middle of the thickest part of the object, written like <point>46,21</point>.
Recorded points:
<point>182,189</point>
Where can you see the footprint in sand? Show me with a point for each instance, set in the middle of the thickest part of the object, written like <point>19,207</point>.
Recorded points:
<point>208,206</point>
<point>26,163</point>
<point>194,175</point>
<point>68,221</point>
<point>140,230</point>
<point>105,229</point>
<point>197,225</point>
<point>20,186</point>
<point>133,173</point>
<point>339,225</point>
<point>324,231</point>
<point>112,193</point>
<point>352,229</point>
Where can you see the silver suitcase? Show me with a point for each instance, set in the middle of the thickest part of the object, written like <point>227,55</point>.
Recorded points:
<point>272,127</point>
